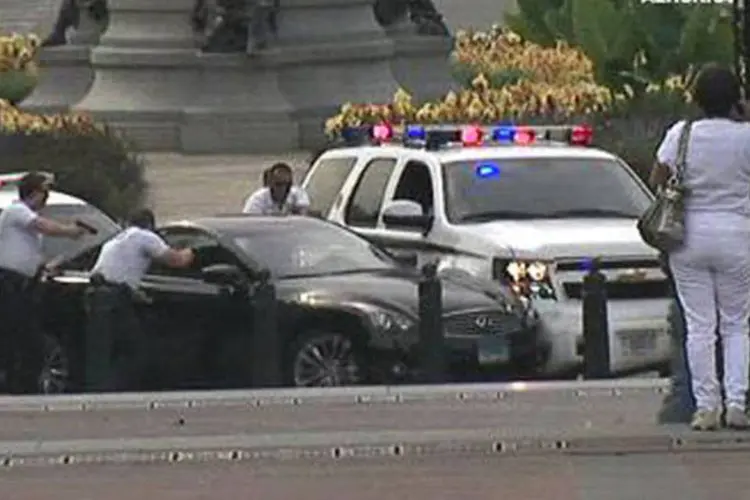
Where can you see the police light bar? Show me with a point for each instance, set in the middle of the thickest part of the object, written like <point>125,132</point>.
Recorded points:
<point>434,136</point>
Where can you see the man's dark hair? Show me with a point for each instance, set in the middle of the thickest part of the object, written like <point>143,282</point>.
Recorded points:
<point>31,183</point>
<point>716,90</point>
<point>280,167</point>
<point>143,218</point>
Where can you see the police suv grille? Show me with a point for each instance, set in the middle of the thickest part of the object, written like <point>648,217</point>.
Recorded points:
<point>655,287</point>
<point>610,264</point>
<point>644,290</point>
<point>482,323</point>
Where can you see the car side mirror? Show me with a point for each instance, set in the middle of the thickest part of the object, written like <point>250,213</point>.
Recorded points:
<point>222,274</point>
<point>406,214</point>
<point>407,259</point>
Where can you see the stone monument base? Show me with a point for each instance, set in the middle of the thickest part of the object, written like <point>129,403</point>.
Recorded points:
<point>65,79</point>
<point>167,96</point>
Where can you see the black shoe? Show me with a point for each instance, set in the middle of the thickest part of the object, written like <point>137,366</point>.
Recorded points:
<point>676,410</point>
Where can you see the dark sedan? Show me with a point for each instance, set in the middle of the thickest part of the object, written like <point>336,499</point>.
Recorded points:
<point>347,310</point>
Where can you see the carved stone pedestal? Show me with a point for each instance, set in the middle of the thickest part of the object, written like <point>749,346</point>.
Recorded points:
<point>65,78</point>
<point>330,52</point>
<point>421,63</point>
<point>152,83</point>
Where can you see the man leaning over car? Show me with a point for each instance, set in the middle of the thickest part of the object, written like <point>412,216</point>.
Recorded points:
<point>114,353</point>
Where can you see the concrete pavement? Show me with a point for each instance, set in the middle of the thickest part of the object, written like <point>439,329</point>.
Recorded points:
<point>575,441</point>
<point>205,185</point>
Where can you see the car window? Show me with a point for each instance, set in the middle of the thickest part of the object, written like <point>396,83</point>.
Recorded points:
<point>209,252</point>
<point>66,247</point>
<point>291,249</point>
<point>324,183</point>
<point>364,206</point>
<point>182,238</point>
<point>415,184</point>
<point>477,191</point>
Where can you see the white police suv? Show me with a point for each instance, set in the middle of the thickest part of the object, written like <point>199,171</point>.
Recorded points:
<point>531,205</point>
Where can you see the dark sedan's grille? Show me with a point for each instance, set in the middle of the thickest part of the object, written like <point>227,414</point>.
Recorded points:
<point>482,323</point>
<point>644,290</point>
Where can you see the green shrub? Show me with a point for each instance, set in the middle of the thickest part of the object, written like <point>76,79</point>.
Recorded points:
<point>97,166</point>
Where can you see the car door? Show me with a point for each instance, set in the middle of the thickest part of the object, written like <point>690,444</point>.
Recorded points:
<point>412,180</point>
<point>188,320</point>
<point>323,183</point>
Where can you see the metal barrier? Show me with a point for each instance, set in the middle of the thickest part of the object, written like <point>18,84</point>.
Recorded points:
<point>431,334</point>
<point>596,358</point>
<point>267,346</point>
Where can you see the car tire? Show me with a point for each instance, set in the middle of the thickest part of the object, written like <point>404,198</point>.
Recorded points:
<point>54,377</point>
<point>325,359</point>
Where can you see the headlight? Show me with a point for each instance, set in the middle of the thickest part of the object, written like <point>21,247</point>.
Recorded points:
<point>390,321</point>
<point>529,279</point>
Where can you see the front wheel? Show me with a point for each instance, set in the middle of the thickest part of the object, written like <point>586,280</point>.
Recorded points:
<point>325,359</point>
<point>55,374</point>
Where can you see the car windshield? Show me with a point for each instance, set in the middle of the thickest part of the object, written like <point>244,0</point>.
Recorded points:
<point>541,188</point>
<point>65,247</point>
<point>299,250</point>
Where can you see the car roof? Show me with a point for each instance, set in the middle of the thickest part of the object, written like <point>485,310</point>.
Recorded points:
<point>543,150</point>
<point>239,223</point>
<point>10,194</point>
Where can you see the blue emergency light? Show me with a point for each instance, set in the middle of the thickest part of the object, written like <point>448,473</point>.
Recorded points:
<point>435,136</point>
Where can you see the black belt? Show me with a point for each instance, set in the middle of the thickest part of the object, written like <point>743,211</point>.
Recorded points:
<point>98,281</point>
<point>16,278</point>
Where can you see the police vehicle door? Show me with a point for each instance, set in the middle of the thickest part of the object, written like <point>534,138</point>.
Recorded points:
<point>361,211</point>
<point>414,181</point>
<point>188,318</point>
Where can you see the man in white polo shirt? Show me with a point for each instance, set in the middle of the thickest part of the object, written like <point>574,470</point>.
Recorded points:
<point>21,257</point>
<point>114,349</point>
<point>280,196</point>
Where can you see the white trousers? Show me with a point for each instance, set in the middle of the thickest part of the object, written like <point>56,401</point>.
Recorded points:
<point>712,276</point>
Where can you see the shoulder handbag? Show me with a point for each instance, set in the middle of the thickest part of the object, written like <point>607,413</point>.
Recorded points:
<point>662,225</point>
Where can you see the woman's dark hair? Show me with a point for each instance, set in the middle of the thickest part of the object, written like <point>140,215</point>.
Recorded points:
<point>716,90</point>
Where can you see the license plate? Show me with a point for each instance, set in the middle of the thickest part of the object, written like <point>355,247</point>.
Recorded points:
<point>637,342</point>
<point>493,350</point>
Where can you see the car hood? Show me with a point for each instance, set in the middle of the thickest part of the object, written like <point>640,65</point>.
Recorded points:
<point>389,289</point>
<point>564,238</point>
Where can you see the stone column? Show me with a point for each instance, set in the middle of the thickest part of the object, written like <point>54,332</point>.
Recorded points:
<point>329,52</point>
<point>421,63</point>
<point>65,70</point>
<point>154,85</point>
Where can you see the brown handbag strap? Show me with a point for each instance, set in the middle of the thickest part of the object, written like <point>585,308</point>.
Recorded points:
<point>682,147</point>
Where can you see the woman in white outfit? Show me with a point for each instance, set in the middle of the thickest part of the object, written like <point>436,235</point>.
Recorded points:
<point>712,269</point>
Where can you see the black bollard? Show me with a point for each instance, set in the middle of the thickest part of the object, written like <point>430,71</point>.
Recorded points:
<point>431,335</point>
<point>266,345</point>
<point>596,363</point>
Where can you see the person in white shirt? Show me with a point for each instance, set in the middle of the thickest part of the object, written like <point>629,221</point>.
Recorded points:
<point>280,196</point>
<point>114,352</point>
<point>21,258</point>
<point>711,270</point>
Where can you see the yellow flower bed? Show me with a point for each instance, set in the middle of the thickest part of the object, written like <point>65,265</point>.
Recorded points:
<point>14,121</point>
<point>555,81</point>
<point>19,52</point>
<point>488,52</point>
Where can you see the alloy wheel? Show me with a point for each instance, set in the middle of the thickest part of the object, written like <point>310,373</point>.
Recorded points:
<point>326,360</point>
<point>55,375</point>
